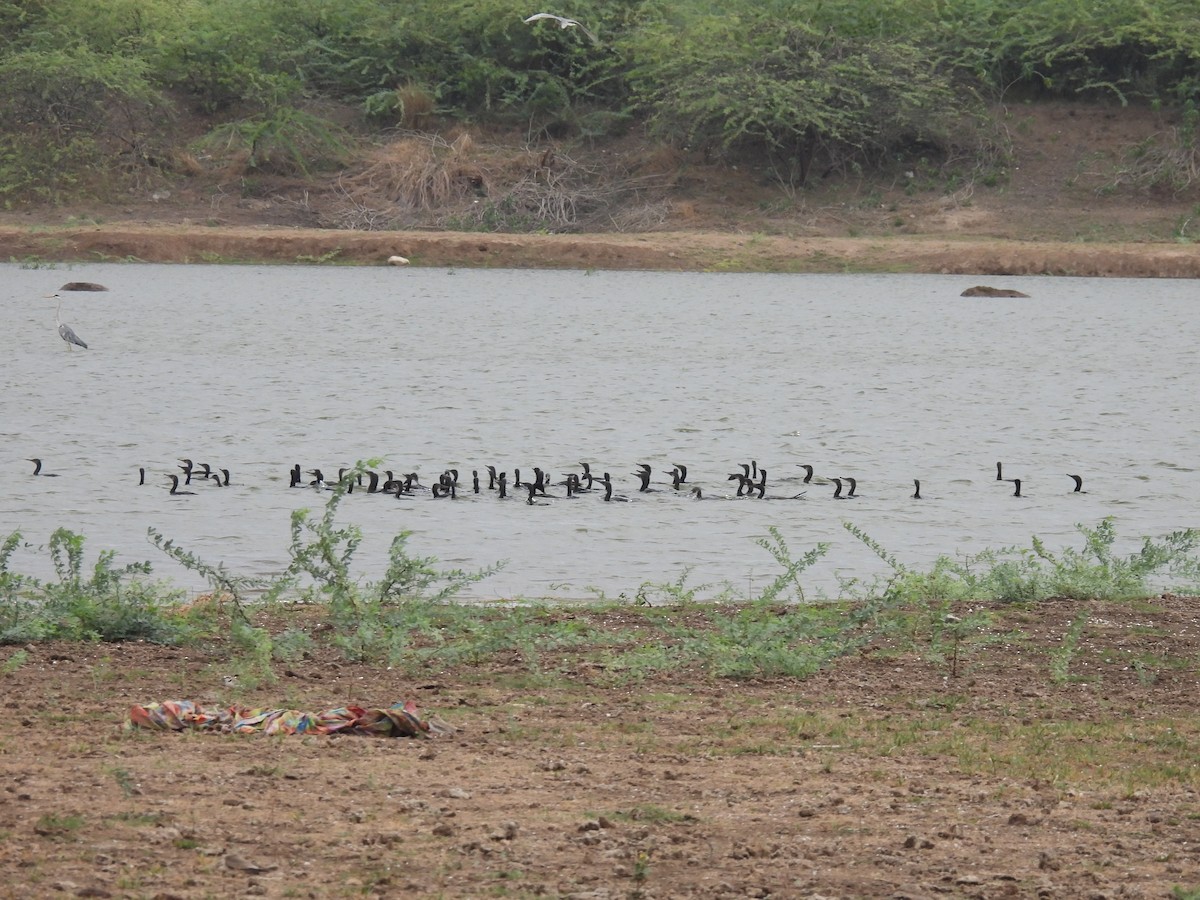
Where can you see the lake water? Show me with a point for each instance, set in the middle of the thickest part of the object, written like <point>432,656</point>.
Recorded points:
<point>883,378</point>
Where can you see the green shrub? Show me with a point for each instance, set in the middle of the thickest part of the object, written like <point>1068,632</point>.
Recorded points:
<point>109,603</point>
<point>794,95</point>
<point>283,140</point>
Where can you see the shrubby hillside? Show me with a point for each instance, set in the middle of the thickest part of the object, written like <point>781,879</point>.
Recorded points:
<point>462,114</point>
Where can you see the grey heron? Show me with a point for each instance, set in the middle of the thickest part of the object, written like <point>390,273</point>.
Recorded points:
<point>65,331</point>
<point>563,22</point>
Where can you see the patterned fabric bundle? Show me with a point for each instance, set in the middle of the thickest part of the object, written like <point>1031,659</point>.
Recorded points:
<point>400,720</point>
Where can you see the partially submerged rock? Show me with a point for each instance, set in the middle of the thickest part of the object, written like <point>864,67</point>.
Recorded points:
<point>984,291</point>
<point>82,286</point>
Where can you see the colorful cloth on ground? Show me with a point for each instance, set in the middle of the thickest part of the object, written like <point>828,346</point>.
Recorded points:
<point>400,720</point>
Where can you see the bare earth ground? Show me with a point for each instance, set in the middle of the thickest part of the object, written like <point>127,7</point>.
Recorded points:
<point>1018,771</point>
<point>1063,207</point>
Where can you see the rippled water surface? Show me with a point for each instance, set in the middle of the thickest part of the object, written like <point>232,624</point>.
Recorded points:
<point>884,378</point>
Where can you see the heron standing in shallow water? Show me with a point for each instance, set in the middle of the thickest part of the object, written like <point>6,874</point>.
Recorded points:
<point>64,330</point>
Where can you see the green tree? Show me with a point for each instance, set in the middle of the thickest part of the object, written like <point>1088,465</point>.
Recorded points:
<point>793,94</point>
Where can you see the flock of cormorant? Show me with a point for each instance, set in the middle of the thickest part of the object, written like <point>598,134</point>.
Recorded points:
<point>750,479</point>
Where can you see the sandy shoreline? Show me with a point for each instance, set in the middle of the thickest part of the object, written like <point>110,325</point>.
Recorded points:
<point>664,251</point>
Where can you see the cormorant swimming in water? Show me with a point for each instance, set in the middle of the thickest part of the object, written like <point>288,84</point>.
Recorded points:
<point>532,488</point>
<point>295,476</point>
<point>837,495</point>
<point>808,472</point>
<point>475,480</point>
<point>175,491</point>
<point>761,487</point>
<point>491,478</point>
<point>141,475</point>
<point>917,493</point>
<point>1078,484</point>
<point>608,494</point>
<point>850,495</point>
<point>682,472</point>
<point>587,474</point>
<point>697,494</point>
<point>502,482</point>
<point>37,469</point>
<point>999,475</point>
<point>644,475</point>
<point>1016,485</point>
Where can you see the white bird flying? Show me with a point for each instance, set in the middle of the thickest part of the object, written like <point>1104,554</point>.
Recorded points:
<point>563,22</point>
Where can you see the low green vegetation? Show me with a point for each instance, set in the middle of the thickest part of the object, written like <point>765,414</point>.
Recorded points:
<point>109,603</point>
<point>946,614</point>
<point>795,87</point>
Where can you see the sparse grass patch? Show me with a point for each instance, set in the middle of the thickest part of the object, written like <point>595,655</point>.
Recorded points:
<point>1060,659</point>
<point>15,660</point>
<point>139,819</point>
<point>53,825</point>
<point>651,813</point>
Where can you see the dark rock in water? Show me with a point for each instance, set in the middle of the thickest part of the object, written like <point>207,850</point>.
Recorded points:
<point>983,291</point>
<point>82,286</point>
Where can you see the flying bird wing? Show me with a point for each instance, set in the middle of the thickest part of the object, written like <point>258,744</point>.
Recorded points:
<point>563,22</point>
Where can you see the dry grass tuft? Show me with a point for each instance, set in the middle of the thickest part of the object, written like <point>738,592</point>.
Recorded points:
<point>460,181</point>
<point>186,163</point>
<point>1168,162</point>
<point>415,103</point>
<point>421,172</point>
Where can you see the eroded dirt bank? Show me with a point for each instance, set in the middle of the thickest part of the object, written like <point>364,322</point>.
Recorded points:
<point>706,251</point>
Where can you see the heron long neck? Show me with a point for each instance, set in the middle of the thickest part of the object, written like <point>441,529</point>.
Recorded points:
<point>58,313</point>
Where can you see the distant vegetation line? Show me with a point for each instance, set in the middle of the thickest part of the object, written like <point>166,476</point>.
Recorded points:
<point>92,89</point>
